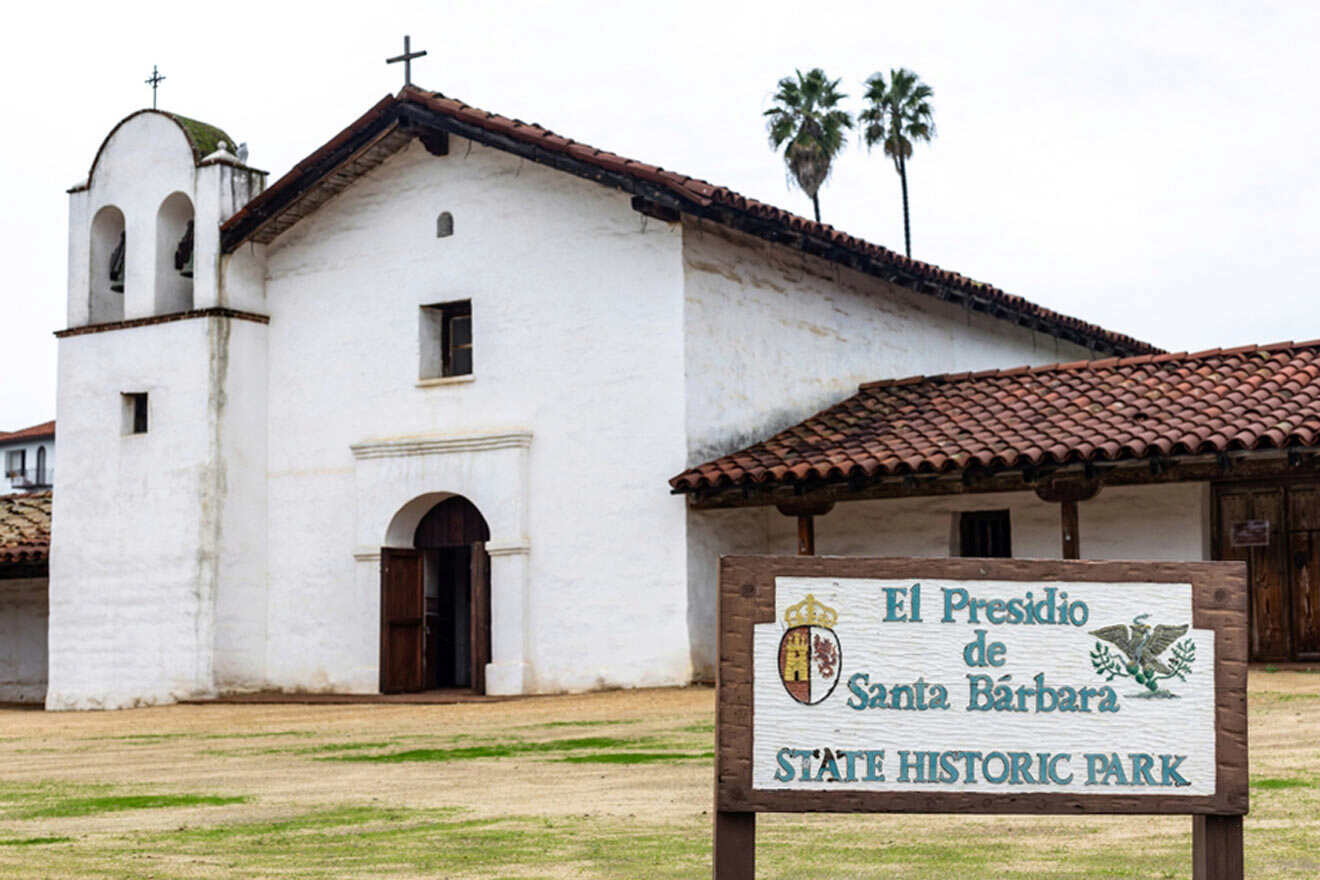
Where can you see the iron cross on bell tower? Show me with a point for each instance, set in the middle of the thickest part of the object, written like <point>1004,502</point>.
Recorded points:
<point>154,80</point>
<point>407,57</point>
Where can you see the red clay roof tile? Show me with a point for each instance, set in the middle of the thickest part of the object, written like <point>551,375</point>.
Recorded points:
<point>25,527</point>
<point>695,193</point>
<point>36,432</point>
<point>1112,409</point>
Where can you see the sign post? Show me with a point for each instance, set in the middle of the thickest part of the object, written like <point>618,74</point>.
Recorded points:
<point>981,686</point>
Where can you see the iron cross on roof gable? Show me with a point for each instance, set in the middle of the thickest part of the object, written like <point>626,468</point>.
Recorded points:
<point>154,80</point>
<point>407,57</point>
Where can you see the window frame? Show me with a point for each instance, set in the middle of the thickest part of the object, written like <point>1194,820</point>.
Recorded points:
<point>438,346</point>
<point>136,413</point>
<point>983,530</point>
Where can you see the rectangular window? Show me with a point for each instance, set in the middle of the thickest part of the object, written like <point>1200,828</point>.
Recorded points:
<point>15,462</point>
<point>985,533</point>
<point>135,412</point>
<point>446,340</point>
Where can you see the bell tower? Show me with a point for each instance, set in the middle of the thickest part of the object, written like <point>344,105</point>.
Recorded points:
<point>157,582</point>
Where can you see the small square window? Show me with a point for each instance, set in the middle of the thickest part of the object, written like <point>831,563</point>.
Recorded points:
<point>985,533</point>
<point>135,412</point>
<point>15,462</point>
<point>446,340</point>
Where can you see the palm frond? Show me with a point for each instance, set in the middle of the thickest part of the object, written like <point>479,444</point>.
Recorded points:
<point>806,121</point>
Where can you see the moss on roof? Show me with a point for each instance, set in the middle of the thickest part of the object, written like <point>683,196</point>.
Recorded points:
<point>205,138</point>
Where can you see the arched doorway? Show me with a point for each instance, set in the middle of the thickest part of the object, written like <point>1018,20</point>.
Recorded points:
<point>435,603</point>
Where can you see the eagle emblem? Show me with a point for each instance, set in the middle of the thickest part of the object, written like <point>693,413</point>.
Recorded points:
<point>1142,646</point>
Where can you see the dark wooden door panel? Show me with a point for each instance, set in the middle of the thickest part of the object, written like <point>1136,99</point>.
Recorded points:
<point>1304,508</point>
<point>479,615</point>
<point>1305,552</point>
<point>402,620</point>
<point>1267,566</point>
<point>1269,580</point>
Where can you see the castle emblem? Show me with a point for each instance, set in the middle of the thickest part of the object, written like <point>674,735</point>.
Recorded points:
<point>810,657</point>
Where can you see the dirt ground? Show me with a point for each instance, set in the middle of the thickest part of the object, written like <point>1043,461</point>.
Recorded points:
<point>613,784</point>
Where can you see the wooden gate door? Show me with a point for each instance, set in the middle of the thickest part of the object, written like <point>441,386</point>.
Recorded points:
<point>402,620</point>
<point>479,615</point>
<point>1304,554</point>
<point>1268,608</point>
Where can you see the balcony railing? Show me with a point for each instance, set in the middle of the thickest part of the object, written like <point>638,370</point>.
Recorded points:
<point>32,478</point>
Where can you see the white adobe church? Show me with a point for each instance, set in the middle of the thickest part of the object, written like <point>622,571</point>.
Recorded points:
<point>404,418</point>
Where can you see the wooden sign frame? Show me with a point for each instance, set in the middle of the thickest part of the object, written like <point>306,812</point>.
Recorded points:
<point>747,597</point>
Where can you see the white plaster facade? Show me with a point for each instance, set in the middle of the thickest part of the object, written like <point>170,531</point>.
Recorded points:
<point>22,640</point>
<point>242,546</point>
<point>33,465</point>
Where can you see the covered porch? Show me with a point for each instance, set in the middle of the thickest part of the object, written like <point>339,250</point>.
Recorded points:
<point>1183,456</point>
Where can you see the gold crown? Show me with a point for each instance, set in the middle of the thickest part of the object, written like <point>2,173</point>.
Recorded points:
<point>809,612</point>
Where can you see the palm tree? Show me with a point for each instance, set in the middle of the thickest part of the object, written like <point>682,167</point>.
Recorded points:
<point>807,122</point>
<point>895,116</point>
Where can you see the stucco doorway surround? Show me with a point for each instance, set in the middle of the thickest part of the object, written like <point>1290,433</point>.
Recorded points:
<point>398,481</point>
<point>435,604</point>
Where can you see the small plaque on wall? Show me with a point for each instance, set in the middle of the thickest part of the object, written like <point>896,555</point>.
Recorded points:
<point>1250,533</point>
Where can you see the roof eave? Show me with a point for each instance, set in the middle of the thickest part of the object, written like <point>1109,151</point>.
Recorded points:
<point>665,194</point>
<point>1297,461</point>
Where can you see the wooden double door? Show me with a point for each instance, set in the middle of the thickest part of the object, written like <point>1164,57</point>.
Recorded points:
<point>439,637</point>
<point>435,604</point>
<point>1275,529</point>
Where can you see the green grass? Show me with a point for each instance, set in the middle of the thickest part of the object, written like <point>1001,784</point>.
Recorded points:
<point>1277,783</point>
<point>86,806</point>
<point>33,841</point>
<point>635,757</point>
<point>366,841</point>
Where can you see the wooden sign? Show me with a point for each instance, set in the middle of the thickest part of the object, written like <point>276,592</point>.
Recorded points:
<point>1250,533</point>
<point>990,686</point>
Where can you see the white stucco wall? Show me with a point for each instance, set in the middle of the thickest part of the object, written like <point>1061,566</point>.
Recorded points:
<point>772,336</point>
<point>236,500</point>
<point>1166,523</point>
<point>157,547</point>
<point>130,618</point>
<point>236,545</point>
<point>146,161</point>
<point>23,608</point>
<point>577,322</point>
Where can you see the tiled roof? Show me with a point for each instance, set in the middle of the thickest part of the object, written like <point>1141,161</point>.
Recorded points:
<point>24,527</point>
<point>359,148</point>
<point>45,429</point>
<point>1249,398</point>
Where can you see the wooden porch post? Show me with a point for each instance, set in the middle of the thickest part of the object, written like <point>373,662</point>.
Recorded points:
<point>1068,521</point>
<point>806,512</point>
<point>1067,493</point>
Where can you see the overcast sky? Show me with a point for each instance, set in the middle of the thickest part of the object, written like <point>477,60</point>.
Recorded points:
<point>1149,167</point>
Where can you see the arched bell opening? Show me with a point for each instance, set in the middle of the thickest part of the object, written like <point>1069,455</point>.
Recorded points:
<point>435,599</point>
<point>105,297</point>
<point>174,255</point>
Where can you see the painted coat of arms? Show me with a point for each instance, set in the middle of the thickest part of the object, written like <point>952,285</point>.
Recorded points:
<point>1141,645</point>
<point>810,656</point>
